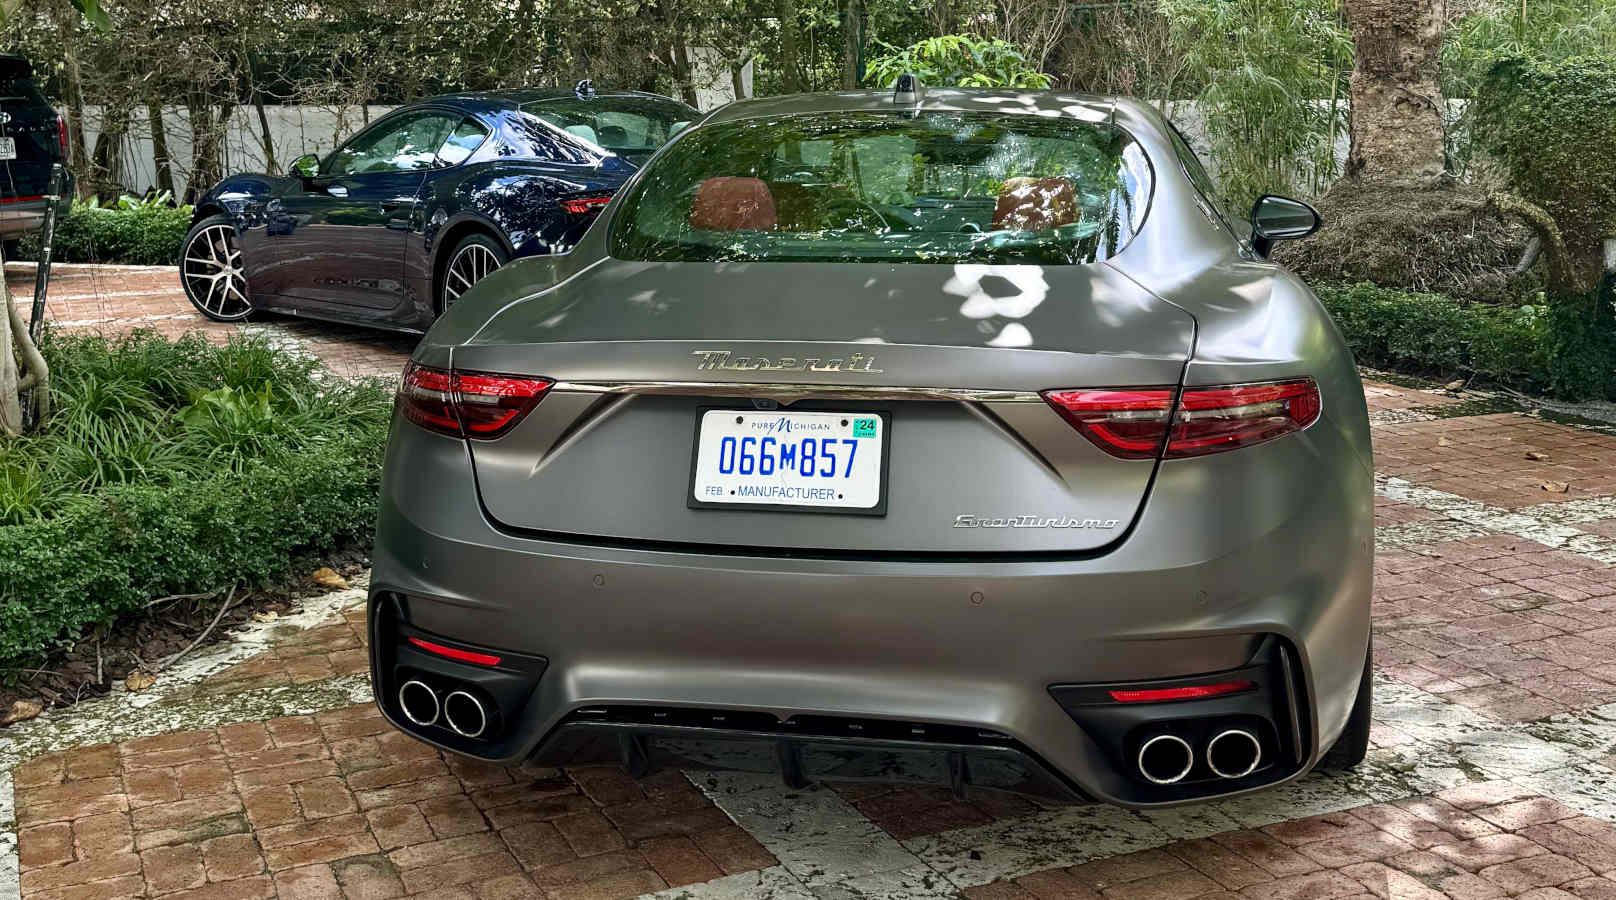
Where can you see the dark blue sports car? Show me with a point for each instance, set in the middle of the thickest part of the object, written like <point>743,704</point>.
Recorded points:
<point>399,221</point>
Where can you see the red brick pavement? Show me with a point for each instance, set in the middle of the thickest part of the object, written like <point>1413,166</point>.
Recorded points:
<point>118,299</point>
<point>1478,841</point>
<point>341,805</point>
<point>1485,458</point>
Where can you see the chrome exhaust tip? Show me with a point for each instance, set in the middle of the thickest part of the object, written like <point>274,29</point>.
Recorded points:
<point>419,702</point>
<point>465,714</point>
<point>1165,759</point>
<point>1234,753</point>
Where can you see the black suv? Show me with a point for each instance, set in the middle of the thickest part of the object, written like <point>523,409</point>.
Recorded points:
<point>32,137</point>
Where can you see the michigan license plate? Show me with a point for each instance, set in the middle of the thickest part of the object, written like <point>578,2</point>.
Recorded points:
<point>806,461</point>
<point>8,148</point>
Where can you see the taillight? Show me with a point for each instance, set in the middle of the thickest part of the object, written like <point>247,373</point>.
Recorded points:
<point>1194,692</point>
<point>1135,423</point>
<point>467,404</point>
<point>471,656</point>
<point>580,206</point>
<point>61,135</point>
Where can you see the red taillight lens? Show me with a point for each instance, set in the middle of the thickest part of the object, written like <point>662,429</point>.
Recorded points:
<point>1196,692</point>
<point>61,135</point>
<point>1134,423</point>
<point>467,404</point>
<point>481,659</point>
<point>580,206</point>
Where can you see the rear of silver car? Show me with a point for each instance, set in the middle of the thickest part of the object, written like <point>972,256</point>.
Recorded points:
<point>1127,560</point>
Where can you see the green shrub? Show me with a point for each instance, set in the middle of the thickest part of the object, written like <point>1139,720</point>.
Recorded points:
<point>1537,347</point>
<point>957,60</point>
<point>133,231</point>
<point>176,467</point>
<point>1552,124</point>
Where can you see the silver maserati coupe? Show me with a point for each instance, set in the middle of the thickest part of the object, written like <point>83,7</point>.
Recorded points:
<point>957,436</point>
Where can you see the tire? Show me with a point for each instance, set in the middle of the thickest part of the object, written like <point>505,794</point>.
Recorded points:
<point>1353,744</point>
<point>211,272</point>
<point>470,261</point>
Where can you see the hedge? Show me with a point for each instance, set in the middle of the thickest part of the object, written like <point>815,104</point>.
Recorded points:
<point>1562,349</point>
<point>83,559</point>
<point>145,234</point>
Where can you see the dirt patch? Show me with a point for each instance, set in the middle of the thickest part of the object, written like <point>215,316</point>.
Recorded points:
<point>1442,240</point>
<point>94,666</point>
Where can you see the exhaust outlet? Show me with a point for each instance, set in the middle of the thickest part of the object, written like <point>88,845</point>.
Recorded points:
<point>465,714</point>
<point>1234,753</point>
<point>419,702</point>
<point>1165,759</point>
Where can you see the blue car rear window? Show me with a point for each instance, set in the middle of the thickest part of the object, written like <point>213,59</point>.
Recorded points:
<point>890,187</point>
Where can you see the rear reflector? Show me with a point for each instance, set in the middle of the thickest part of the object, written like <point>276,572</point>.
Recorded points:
<point>580,206</point>
<point>1196,692</point>
<point>467,404</point>
<point>470,656</point>
<point>1135,423</point>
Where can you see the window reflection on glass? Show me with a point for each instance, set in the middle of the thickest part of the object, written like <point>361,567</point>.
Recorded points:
<point>942,187</point>
<point>407,143</point>
<point>462,142</point>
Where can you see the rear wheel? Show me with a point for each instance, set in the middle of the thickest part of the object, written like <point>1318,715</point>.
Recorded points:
<point>1353,744</point>
<point>469,262</point>
<point>211,270</point>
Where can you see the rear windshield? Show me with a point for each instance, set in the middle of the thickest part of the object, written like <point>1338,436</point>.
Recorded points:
<point>890,187</point>
<point>618,124</point>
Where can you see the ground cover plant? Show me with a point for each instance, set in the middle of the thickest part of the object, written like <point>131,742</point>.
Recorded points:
<point>175,467</point>
<point>132,230</point>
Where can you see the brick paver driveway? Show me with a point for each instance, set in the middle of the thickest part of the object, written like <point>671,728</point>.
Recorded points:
<point>261,769</point>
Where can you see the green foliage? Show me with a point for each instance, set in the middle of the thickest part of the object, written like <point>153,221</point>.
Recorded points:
<point>1549,29</point>
<point>1552,124</point>
<point>1539,347</point>
<point>175,467</point>
<point>140,232</point>
<point>956,60</point>
<point>1275,89</point>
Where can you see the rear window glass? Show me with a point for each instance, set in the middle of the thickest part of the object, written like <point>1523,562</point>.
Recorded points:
<point>618,124</point>
<point>890,187</point>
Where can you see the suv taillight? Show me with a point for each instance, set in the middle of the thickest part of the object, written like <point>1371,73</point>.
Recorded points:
<point>1133,423</point>
<point>467,404</point>
<point>61,135</point>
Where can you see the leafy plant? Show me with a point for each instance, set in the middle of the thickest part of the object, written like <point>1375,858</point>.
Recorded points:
<point>1274,76</point>
<point>957,60</point>
<point>132,230</point>
<point>172,467</point>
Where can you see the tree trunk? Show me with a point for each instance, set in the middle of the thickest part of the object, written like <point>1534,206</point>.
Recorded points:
<point>77,153</point>
<point>850,12</point>
<point>1397,104</point>
<point>106,161</point>
<point>22,367</point>
<point>159,140</point>
<point>790,54</point>
<point>737,78</point>
<point>207,140</point>
<point>270,165</point>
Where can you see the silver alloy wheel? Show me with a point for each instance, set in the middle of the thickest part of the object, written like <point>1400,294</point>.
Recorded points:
<point>213,273</point>
<point>469,266</point>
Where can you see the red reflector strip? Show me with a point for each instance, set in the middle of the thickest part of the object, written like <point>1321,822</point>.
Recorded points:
<point>481,659</point>
<point>1195,692</point>
<point>579,206</point>
<point>21,199</point>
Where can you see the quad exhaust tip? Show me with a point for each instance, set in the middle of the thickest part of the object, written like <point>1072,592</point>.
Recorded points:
<point>419,703</point>
<point>465,714</point>
<point>1234,753</point>
<point>1165,759</point>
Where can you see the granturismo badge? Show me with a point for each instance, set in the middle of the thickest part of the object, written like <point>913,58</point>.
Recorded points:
<point>969,521</point>
<point>728,361</point>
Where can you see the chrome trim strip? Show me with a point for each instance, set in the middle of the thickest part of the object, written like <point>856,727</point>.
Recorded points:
<point>790,393</point>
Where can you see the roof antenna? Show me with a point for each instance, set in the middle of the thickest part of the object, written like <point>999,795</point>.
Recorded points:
<point>907,90</point>
<point>584,90</point>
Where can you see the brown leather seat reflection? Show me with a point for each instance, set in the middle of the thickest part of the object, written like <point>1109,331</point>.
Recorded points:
<point>731,203</point>
<point>1035,204</point>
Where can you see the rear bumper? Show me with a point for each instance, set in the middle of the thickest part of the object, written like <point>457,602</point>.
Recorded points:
<point>943,645</point>
<point>19,217</point>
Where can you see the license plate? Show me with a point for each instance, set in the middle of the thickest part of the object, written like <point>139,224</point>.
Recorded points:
<point>803,461</point>
<point>8,148</point>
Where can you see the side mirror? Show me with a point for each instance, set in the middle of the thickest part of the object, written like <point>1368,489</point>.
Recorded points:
<point>1281,219</point>
<point>305,166</point>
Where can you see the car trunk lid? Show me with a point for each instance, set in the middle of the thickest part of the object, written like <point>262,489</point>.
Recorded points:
<point>952,358</point>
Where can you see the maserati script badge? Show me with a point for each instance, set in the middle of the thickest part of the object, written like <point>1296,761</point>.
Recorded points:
<point>727,361</point>
<point>969,521</point>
